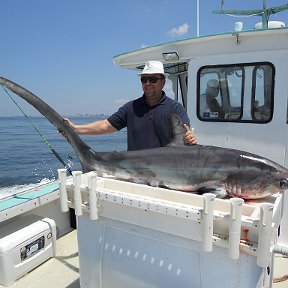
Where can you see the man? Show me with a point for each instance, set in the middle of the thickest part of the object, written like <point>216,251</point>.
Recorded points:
<point>148,118</point>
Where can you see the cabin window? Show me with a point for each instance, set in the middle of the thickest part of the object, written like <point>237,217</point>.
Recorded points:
<point>182,89</point>
<point>177,85</point>
<point>177,88</point>
<point>261,102</point>
<point>239,92</point>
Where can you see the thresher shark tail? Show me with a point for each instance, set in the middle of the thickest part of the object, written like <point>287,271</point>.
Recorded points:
<point>189,168</point>
<point>49,113</point>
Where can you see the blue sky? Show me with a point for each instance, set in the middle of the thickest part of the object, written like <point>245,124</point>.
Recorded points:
<point>62,50</point>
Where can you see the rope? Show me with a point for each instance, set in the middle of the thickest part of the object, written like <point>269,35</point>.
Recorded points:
<point>41,135</point>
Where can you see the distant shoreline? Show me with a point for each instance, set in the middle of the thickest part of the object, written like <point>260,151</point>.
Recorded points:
<point>78,115</point>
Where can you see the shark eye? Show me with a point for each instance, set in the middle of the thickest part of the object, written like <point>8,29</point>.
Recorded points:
<point>283,183</point>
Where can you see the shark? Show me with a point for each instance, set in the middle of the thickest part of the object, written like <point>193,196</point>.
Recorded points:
<point>191,168</point>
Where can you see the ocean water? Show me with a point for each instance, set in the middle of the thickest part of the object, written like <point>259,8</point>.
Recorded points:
<point>26,160</point>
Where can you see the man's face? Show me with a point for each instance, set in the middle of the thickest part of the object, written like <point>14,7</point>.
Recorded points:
<point>152,85</point>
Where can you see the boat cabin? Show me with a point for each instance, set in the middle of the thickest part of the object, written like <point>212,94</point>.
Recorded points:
<point>233,86</point>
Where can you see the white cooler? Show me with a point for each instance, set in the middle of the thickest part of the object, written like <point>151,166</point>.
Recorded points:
<point>25,244</point>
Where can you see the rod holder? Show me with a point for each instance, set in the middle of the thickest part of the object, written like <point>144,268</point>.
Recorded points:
<point>207,222</point>
<point>265,234</point>
<point>93,200</point>
<point>62,177</point>
<point>77,192</point>
<point>236,205</point>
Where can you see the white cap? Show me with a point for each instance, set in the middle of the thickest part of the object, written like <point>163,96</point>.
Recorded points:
<point>153,67</point>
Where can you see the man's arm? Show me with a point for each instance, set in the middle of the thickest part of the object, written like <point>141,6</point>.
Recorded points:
<point>92,128</point>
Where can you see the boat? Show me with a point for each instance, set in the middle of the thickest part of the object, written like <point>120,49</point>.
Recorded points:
<point>233,86</point>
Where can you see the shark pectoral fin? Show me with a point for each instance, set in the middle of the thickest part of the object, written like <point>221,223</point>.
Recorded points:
<point>220,192</point>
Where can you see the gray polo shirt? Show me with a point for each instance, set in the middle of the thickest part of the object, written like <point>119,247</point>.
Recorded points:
<point>148,127</point>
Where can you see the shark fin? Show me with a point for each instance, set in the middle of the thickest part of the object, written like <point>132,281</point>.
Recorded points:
<point>178,131</point>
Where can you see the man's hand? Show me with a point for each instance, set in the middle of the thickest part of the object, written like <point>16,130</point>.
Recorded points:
<point>189,136</point>
<point>67,121</point>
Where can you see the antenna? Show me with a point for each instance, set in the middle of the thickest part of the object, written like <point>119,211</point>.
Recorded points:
<point>264,13</point>
<point>197,17</point>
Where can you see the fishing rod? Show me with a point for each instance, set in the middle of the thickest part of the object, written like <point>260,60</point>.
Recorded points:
<point>67,166</point>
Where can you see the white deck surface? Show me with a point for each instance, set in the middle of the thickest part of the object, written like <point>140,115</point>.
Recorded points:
<point>63,270</point>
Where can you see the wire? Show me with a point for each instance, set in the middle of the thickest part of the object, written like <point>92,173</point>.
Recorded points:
<point>41,135</point>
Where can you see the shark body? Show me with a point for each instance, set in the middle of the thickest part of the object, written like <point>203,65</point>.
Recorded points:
<point>190,168</point>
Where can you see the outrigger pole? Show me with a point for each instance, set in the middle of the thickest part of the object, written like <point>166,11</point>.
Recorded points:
<point>264,13</point>
<point>197,18</point>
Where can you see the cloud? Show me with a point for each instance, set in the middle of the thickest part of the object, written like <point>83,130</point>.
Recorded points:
<point>180,30</point>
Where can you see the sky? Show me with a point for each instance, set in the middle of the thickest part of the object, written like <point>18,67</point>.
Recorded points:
<point>62,50</point>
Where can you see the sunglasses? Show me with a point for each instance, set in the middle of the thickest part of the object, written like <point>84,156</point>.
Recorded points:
<point>150,79</point>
